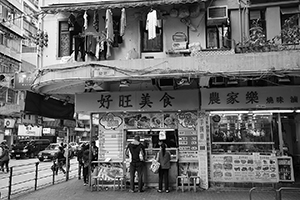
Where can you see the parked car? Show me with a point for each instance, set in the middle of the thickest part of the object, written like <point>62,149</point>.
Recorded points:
<point>51,151</point>
<point>28,148</point>
<point>74,147</point>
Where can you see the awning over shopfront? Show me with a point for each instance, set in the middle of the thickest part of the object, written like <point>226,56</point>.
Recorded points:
<point>55,8</point>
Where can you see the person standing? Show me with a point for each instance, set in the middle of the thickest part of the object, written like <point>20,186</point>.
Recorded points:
<point>137,157</point>
<point>4,157</point>
<point>163,157</point>
<point>86,163</point>
<point>94,154</point>
<point>80,161</point>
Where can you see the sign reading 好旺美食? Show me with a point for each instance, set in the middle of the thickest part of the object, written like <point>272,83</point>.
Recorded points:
<point>250,97</point>
<point>137,100</point>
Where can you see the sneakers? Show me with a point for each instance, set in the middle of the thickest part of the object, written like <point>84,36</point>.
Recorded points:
<point>140,191</point>
<point>84,184</point>
<point>167,191</point>
<point>159,191</point>
<point>132,191</point>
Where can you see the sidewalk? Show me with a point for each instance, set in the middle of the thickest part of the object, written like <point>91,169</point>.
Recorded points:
<point>74,190</point>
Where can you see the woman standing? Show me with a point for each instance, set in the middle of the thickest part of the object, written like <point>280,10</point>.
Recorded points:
<point>163,158</point>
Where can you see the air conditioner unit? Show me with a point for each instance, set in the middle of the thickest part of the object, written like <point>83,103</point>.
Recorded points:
<point>217,12</point>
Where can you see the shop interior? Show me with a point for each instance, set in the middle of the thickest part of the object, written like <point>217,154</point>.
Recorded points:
<point>264,133</point>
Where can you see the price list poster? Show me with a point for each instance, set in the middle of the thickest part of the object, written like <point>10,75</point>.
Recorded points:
<point>111,137</point>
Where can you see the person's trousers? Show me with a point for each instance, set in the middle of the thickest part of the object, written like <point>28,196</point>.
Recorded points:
<point>80,166</point>
<point>163,175</point>
<point>136,167</point>
<point>85,173</point>
<point>5,163</point>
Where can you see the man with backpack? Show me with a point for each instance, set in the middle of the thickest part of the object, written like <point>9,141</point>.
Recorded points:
<point>136,152</point>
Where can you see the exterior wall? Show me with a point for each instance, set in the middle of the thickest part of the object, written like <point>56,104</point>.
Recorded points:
<point>131,39</point>
<point>235,27</point>
<point>273,24</point>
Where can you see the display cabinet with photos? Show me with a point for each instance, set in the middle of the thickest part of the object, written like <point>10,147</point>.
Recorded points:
<point>241,133</point>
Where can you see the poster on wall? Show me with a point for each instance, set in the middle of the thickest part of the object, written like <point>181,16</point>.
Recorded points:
<point>244,168</point>
<point>189,169</point>
<point>187,136</point>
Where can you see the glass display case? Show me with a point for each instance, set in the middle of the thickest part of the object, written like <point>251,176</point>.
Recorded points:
<point>285,169</point>
<point>152,152</point>
<point>241,133</point>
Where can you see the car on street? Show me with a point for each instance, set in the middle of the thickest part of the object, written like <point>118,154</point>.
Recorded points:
<point>51,151</point>
<point>74,147</point>
<point>28,148</point>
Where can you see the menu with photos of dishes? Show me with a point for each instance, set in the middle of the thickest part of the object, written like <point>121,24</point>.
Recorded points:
<point>244,168</point>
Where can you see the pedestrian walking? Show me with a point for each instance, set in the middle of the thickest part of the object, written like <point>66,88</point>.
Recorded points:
<point>163,157</point>
<point>60,160</point>
<point>4,157</point>
<point>136,153</point>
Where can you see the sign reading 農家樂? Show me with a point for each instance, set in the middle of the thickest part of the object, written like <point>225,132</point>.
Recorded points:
<point>250,97</point>
<point>141,100</point>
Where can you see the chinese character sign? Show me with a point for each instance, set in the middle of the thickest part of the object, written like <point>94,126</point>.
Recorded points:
<point>250,97</point>
<point>141,100</point>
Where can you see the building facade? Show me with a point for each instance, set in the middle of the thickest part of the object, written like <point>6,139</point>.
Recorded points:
<point>10,62</point>
<point>218,81</point>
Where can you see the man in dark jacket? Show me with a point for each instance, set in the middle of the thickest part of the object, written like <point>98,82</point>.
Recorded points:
<point>80,161</point>
<point>4,157</point>
<point>137,157</point>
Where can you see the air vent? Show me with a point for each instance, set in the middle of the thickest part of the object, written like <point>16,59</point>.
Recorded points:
<point>217,12</point>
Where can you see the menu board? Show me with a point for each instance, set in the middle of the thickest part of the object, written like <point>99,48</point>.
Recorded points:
<point>244,168</point>
<point>188,137</point>
<point>111,144</point>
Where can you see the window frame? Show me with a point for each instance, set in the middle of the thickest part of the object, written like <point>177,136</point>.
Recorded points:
<point>143,35</point>
<point>59,48</point>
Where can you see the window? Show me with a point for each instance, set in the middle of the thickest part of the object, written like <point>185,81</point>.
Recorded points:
<point>257,17</point>
<point>242,133</point>
<point>290,25</point>
<point>218,35</point>
<point>153,45</point>
<point>65,43</point>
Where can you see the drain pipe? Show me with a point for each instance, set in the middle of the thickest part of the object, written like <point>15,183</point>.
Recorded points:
<point>240,22</point>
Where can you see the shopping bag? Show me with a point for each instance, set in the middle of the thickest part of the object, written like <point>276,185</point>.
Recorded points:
<point>155,166</point>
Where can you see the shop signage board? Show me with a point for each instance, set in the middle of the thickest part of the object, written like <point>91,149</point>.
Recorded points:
<point>111,137</point>
<point>250,98</point>
<point>29,130</point>
<point>202,146</point>
<point>244,168</point>
<point>137,101</point>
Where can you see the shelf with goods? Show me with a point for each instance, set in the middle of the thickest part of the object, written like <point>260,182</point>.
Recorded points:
<point>285,169</point>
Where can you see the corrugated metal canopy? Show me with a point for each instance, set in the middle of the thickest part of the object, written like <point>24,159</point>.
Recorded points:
<point>55,8</point>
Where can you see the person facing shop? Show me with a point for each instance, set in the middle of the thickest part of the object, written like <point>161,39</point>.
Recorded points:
<point>136,152</point>
<point>164,158</point>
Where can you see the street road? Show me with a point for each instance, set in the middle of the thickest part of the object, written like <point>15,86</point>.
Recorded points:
<point>24,171</point>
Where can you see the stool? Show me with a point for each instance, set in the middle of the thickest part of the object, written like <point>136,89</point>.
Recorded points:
<point>120,181</point>
<point>193,180</point>
<point>97,180</point>
<point>182,178</point>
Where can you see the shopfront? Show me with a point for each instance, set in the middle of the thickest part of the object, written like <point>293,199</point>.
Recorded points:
<point>169,116</point>
<point>254,134</point>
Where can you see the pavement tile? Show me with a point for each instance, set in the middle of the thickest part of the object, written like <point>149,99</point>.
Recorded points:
<point>74,190</point>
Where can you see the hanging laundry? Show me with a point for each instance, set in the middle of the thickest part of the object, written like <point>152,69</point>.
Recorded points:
<point>109,31</point>
<point>85,17</point>
<point>109,26</point>
<point>123,22</point>
<point>151,24</point>
<point>96,21</point>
